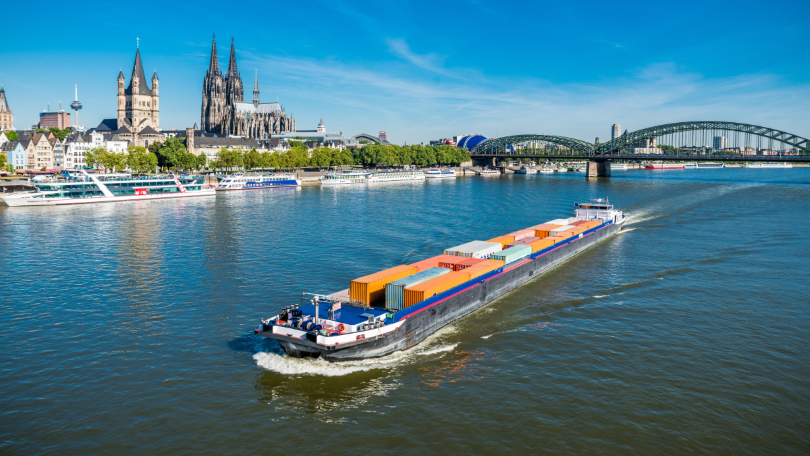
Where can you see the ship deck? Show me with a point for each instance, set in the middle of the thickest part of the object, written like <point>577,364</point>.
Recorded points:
<point>346,314</point>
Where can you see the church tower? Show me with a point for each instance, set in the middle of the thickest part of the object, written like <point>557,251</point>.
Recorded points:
<point>138,102</point>
<point>213,100</point>
<point>6,114</point>
<point>256,101</point>
<point>233,82</point>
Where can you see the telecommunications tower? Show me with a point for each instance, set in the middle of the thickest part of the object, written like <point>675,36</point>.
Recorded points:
<point>76,105</point>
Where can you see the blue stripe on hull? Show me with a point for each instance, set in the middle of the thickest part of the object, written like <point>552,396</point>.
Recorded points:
<point>261,185</point>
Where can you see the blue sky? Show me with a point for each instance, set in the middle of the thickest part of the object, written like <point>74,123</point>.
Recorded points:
<point>425,70</point>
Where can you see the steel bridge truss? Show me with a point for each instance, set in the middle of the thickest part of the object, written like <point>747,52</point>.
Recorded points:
<point>629,140</point>
<point>499,145</point>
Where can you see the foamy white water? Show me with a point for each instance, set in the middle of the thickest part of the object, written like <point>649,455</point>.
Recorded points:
<point>284,364</point>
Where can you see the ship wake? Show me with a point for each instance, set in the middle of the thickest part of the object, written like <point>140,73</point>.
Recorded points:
<point>278,361</point>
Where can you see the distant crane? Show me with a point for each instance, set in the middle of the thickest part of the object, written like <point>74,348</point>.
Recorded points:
<point>76,105</point>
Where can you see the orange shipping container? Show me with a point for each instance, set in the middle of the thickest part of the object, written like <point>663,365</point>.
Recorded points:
<point>483,267</point>
<point>541,244</point>
<point>436,262</point>
<point>576,230</point>
<point>503,240</point>
<point>541,231</point>
<point>560,237</point>
<point>424,290</point>
<point>592,224</point>
<point>371,288</point>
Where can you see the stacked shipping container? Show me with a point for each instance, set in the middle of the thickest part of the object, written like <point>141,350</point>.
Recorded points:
<point>403,286</point>
<point>424,290</point>
<point>395,291</point>
<point>370,289</point>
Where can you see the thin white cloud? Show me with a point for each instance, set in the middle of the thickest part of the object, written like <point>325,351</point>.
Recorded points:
<point>432,62</point>
<point>416,108</point>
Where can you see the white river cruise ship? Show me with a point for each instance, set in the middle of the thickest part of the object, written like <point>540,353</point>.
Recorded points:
<point>391,176</point>
<point>80,187</point>
<point>256,181</point>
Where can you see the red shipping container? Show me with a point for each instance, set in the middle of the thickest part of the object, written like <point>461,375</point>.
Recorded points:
<point>467,263</point>
<point>440,261</point>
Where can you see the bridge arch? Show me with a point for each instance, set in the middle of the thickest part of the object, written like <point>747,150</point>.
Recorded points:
<point>370,138</point>
<point>631,139</point>
<point>499,145</point>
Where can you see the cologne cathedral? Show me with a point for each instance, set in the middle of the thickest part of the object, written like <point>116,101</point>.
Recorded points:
<point>224,111</point>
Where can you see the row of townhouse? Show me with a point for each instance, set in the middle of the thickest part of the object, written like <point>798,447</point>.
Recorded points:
<point>42,150</point>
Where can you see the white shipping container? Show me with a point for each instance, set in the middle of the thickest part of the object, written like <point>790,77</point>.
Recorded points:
<point>560,229</point>
<point>572,220</point>
<point>558,222</point>
<point>475,249</point>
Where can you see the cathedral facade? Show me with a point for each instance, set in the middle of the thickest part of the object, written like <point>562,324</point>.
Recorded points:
<point>224,111</point>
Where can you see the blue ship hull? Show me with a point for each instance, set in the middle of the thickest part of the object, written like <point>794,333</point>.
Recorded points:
<point>262,185</point>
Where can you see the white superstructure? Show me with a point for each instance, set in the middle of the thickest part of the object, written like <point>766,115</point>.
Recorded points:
<point>344,178</point>
<point>80,187</point>
<point>436,173</point>
<point>768,165</point>
<point>526,170</point>
<point>392,176</point>
<point>598,209</point>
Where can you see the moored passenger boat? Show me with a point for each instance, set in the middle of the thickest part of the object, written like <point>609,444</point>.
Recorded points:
<point>399,307</point>
<point>665,166</point>
<point>489,172</point>
<point>710,165</point>
<point>81,187</point>
<point>344,177</point>
<point>255,181</point>
<point>524,169</point>
<point>393,176</point>
<point>437,173</point>
<point>768,165</point>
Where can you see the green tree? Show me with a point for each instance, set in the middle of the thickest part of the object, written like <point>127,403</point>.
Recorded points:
<point>155,147</point>
<point>116,161</point>
<point>140,160</point>
<point>12,135</point>
<point>91,157</point>
<point>59,134</point>
<point>169,152</point>
<point>2,161</point>
<point>251,159</point>
<point>321,157</point>
<point>10,169</point>
<point>201,161</point>
<point>186,161</point>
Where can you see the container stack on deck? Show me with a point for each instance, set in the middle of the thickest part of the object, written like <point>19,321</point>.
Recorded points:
<point>403,286</point>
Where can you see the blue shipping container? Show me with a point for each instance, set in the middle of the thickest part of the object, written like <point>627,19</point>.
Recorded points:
<point>512,254</point>
<point>395,291</point>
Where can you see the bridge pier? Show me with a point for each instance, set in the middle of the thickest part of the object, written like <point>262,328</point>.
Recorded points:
<point>598,169</point>
<point>484,162</point>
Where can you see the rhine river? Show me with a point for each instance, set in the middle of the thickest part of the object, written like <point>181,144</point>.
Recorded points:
<point>127,327</point>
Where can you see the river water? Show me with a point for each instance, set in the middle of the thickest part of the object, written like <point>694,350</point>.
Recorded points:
<point>127,327</point>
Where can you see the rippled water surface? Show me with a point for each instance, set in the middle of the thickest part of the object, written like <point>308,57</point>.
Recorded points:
<point>127,327</point>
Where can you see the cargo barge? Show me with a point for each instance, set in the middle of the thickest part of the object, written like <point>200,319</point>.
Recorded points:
<point>399,307</point>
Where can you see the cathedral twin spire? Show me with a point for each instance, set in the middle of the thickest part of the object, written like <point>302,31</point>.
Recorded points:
<point>224,110</point>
